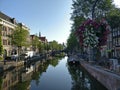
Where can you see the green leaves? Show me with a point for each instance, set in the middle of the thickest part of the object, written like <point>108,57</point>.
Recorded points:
<point>85,8</point>
<point>1,46</point>
<point>19,37</point>
<point>72,42</point>
<point>113,17</point>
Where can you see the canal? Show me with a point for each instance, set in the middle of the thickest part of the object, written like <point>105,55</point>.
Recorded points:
<point>54,74</point>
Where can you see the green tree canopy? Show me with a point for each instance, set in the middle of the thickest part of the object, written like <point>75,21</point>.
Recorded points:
<point>35,42</point>
<point>41,47</point>
<point>20,38</point>
<point>54,45</point>
<point>85,8</point>
<point>113,17</point>
<point>1,46</point>
<point>72,43</point>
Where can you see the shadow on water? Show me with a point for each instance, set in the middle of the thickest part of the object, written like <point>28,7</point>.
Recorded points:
<point>82,80</point>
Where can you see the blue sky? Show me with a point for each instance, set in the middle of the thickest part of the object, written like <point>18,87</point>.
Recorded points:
<point>50,17</point>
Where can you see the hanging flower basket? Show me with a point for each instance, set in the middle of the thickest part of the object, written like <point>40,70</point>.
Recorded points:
<point>92,33</point>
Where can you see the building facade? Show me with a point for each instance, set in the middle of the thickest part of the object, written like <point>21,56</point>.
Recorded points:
<point>41,39</point>
<point>7,25</point>
<point>116,42</point>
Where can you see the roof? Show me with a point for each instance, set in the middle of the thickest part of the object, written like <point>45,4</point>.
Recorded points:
<point>32,36</point>
<point>7,18</point>
<point>43,39</point>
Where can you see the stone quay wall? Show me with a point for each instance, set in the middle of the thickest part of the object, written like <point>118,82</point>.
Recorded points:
<point>110,80</point>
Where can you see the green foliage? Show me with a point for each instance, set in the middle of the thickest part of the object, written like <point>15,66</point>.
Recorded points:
<point>76,22</point>
<point>41,47</point>
<point>60,47</point>
<point>113,17</point>
<point>1,46</point>
<point>85,8</point>
<point>19,37</point>
<point>1,58</point>
<point>72,43</point>
<point>36,76</point>
<point>35,43</point>
<point>54,45</point>
<point>54,62</point>
<point>22,86</point>
<point>1,81</point>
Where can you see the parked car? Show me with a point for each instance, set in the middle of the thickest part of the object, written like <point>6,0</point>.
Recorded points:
<point>14,57</point>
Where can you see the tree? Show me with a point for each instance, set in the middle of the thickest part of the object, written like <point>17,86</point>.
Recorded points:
<point>86,8</point>
<point>72,43</point>
<point>40,47</point>
<point>82,10</point>
<point>53,45</point>
<point>60,47</point>
<point>20,38</point>
<point>35,43</point>
<point>113,17</point>
<point>1,46</point>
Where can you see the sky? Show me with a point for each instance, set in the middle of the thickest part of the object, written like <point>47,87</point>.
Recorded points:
<point>50,17</point>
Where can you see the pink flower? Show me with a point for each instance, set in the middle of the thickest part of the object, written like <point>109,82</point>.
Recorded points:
<point>94,26</point>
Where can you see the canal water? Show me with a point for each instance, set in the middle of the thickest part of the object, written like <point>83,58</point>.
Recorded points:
<point>53,74</point>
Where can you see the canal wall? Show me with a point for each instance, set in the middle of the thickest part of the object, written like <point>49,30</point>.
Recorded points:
<point>8,65</point>
<point>110,80</point>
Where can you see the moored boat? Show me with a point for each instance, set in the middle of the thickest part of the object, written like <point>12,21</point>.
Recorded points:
<point>73,60</point>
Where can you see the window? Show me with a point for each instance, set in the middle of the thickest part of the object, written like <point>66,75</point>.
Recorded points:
<point>4,31</point>
<point>9,31</point>
<point>4,42</point>
<point>9,42</point>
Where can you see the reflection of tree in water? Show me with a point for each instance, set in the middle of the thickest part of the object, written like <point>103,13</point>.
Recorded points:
<point>82,81</point>
<point>16,75</point>
<point>54,62</point>
<point>79,82</point>
<point>21,86</point>
<point>1,81</point>
<point>11,80</point>
<point>37,74</point>
<point>43,67</point>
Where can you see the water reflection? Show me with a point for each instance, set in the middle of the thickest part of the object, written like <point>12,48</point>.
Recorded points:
<point>56,77</point>
<point>52,74</point>
<point>81,80</point>
<point>9,78</point>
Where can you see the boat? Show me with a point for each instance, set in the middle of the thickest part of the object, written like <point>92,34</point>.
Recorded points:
<point>72,60</point>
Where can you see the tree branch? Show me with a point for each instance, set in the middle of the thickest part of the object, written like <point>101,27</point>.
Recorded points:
<point>93,9</point>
